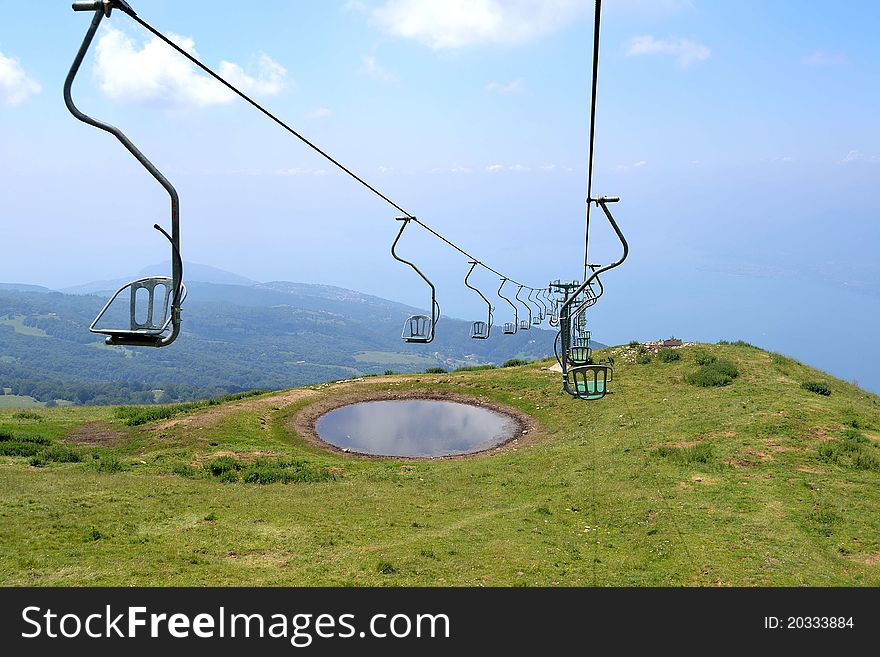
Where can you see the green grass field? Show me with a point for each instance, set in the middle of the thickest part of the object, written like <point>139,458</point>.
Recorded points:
<point>17,323</point>
<point>756,483</point>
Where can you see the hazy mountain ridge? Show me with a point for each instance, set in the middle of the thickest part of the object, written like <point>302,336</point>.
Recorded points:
<point>263,335</point>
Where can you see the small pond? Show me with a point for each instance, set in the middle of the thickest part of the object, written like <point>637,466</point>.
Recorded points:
<point>415,427</point>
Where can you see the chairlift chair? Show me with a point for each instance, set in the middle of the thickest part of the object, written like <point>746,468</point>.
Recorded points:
<point>510,328</point>
<point>479,330</point>
<point>580,355</point>
<point>417,328</point>
<point>524,324</point>
<point>538,317</point>
<point>153,316</point>
<point>588,382</point>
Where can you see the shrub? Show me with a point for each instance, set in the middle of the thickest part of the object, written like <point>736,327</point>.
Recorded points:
<point>700,453</point>
<point>474,368</point>
<point>704,358</point>
<point>5,435</point>
<point>818,387</point>
<point>668,355</point>
<point>263,471</point>
<point>852,451</point>
<point>779,359</point>
<point>36,440</point>
<point>514,362</point>
<point>390,372</point>
<point>27,415</point>
<point>60,454</point>
<point>644,359</point>
<point>436,370</point>
<point>18,448</point>
<point>222,465</point>
<point>386,568</point>
<point>109,463</point>
<point>634,344</point>
<point>184,470</point>
<point>37,461</point>
<point>229,477</point>
<point>717,373</point>
<point>137,415</point>
<point>93,534</point>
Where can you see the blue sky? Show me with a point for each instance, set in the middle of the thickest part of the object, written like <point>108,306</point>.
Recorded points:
<point>742,138</point>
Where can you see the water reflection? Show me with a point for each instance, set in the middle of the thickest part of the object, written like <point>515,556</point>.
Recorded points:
<point>414,427</point>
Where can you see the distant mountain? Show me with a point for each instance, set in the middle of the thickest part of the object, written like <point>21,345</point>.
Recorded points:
<point>193,272</point>
<point>20,287</point>
<point>235,337</point>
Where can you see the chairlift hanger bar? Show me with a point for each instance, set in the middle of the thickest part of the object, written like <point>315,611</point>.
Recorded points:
<point>512,305</point>
<point>108,5</point>
<point>592,132</point>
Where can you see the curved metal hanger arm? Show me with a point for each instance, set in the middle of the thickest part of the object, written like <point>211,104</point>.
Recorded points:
<point>542,308</point>
<point>527,306</point>
<point>602,203</point>
<point>512,305</point>
<point>435,307</point>
<point>474,264</point>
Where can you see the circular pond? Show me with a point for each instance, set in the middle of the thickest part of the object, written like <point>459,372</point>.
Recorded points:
<point>415,427</point>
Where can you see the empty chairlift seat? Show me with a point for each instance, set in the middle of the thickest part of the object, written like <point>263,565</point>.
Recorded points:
<point>588,381</point>
<point>418,328</point>
<point>479,330</point>
<point>142,316</point>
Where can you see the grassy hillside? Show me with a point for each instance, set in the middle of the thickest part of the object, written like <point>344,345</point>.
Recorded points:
<point>758,482</point>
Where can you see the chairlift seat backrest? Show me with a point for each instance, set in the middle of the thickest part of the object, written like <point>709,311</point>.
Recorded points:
<point>579,355</point>
<point>417,328</point>
<point>509,328</point>
<point>588,382</point>
<point>524,324</point>
<point>148,317</point>
<point>480,330</point>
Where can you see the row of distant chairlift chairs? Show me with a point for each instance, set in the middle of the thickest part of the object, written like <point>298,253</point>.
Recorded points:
<point>153,303</point>
<point>581,377</point>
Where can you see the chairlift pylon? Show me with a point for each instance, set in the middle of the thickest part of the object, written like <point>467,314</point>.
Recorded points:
<point>147,327</point>
<point>417,328</point>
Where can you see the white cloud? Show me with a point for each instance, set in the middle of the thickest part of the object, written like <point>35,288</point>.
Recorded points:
<point>517,86</point>
<point>684,51</point>
<point>825,58</point>
<point>623,168</point>
<point>299,172</point>
<point>157,74</point>
<point>355,6</point>
<point>319,113</point>
<point>371,68</point>
<point>518,168</point>
<point>15,86</point>
<point>858,156</point>
<point>458,23</point>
